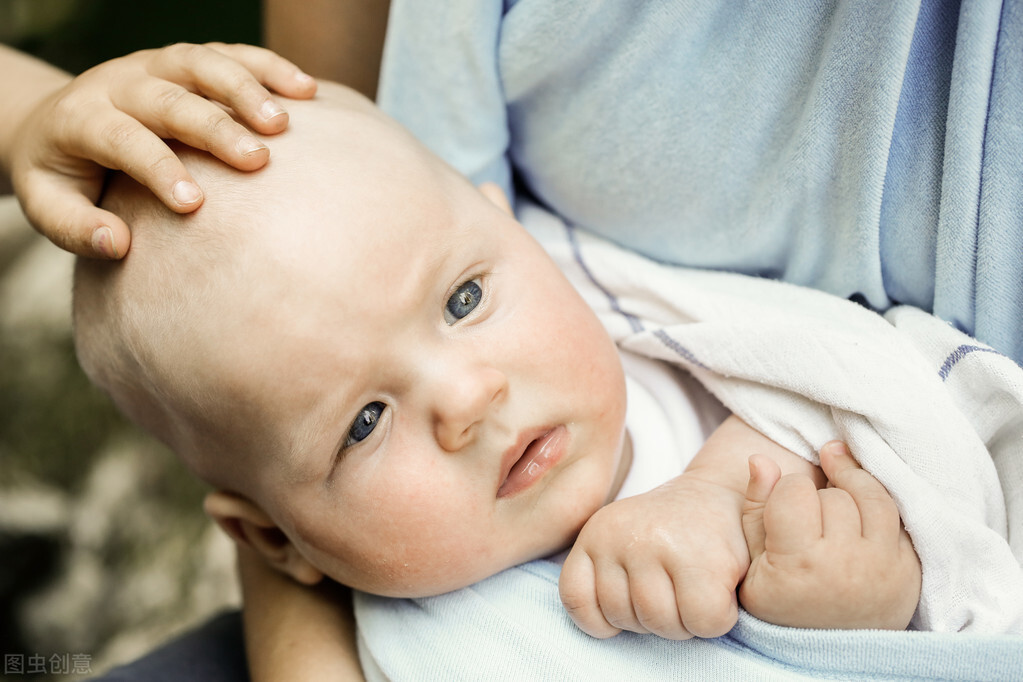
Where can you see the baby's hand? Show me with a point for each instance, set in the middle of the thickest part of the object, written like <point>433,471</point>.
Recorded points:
<point>113,116</point>
<point>665,562</point>
<point>831,558</point>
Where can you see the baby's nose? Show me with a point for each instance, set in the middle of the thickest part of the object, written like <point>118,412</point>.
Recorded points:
<point>463,402</point>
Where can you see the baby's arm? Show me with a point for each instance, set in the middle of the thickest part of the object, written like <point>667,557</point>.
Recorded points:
<point>836,557</point>
<point>58,135</point>
<point>669,561</point>
<point>296,632</point>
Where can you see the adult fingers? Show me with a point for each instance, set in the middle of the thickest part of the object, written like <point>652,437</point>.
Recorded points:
<point>119,141</point>
<point>234,76</point>
<point>171,111</point>
<point>280,74</point>
<point>70,220</point>
<point>878,513</point>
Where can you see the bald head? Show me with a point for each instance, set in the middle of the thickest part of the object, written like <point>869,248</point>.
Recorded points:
<point>171,331</point>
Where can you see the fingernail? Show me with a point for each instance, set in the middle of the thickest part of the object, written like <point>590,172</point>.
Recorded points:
<point>249,145</point>
<point>186,193</point>
<point>270,109</point>
<point>103,242</point>
<point>304,78</point>
<point>838,447</point>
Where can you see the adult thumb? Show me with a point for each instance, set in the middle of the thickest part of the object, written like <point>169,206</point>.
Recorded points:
<point>63,214</point>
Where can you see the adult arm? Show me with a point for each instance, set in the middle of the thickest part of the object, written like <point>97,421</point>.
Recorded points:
<point>339,40</point>
<point>26,82</point>
<point>295,632</point>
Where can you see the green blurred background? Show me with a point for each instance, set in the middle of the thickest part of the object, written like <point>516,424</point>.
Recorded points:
<point>77,34</point>
<point>104,550</point>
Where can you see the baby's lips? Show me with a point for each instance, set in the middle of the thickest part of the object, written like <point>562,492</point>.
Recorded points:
<point>538,457</point>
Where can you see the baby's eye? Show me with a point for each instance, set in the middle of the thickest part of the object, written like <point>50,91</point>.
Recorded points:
<point>364,423</point>
<point>463,301</point>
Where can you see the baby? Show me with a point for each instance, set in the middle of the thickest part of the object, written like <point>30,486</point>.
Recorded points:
<point>387,381</point>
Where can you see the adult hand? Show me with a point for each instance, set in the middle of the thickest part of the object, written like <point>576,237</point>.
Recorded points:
<point>114,115</point>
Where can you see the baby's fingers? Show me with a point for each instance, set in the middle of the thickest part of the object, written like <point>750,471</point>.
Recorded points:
<point>708,609</point>
<point>578,588</point>
<point>654,602</point>
<point>792,517</point>
<point>764,474</point>
<point>879,516</point>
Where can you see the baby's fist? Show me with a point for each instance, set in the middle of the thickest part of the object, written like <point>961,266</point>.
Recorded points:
<point>831,558</point>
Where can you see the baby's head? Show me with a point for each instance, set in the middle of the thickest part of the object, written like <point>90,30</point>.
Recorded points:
<point>383,376</point>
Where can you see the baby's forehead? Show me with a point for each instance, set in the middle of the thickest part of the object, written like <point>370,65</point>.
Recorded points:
<point>340,165</point>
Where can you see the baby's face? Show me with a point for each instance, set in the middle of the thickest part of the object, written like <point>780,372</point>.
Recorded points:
<point>447,404</point>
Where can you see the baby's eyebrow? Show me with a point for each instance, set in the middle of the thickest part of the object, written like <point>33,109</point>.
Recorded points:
<point>313,448</point>
<point>318,440</point>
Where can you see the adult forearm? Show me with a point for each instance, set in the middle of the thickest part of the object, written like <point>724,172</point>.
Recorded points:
<point>339,40</point>
<point>24,82</point>
<point>295,632</point>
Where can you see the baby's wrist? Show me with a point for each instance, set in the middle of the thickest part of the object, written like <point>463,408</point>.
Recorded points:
<point>715,505</point>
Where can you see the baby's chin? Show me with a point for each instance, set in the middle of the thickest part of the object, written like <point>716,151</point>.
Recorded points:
<point>415,585</point>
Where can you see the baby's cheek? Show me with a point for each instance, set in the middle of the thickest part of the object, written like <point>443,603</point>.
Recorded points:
<point>427,544</point>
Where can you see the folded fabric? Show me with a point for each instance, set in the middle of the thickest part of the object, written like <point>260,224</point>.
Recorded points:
<point>936,416</point>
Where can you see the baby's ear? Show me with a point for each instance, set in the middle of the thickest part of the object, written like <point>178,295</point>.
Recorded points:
<point>493,191</point>
<point>249,526</point>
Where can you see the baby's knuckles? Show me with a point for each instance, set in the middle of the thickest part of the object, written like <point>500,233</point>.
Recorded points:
<point>856,586</point>
<point>653,527</point>
<point>658,613</point>
<point>703,559</point>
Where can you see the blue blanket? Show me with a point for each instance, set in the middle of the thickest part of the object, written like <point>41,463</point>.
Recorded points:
<point>512,627</point>
<point>937,417</point>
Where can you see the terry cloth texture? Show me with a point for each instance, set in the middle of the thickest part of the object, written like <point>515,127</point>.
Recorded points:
<point>936,416</point>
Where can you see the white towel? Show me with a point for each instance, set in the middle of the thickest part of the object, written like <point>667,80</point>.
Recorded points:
<point>934,415</point>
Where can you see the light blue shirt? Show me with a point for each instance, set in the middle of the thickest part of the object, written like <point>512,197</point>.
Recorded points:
<point>868,149</point>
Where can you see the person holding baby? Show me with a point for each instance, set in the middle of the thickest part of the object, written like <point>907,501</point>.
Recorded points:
<point>371,412</point>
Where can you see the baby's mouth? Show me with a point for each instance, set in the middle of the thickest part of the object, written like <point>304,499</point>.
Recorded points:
<point>531,458</point>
